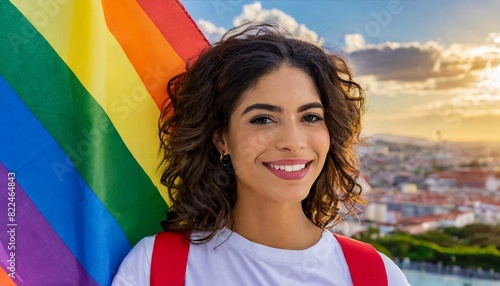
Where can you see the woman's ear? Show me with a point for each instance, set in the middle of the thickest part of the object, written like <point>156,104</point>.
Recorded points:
<point>220,141</point>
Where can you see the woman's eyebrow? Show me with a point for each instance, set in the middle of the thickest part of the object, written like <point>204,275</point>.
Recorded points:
<point>269,107</point>
<point>274,108</point>
<point>309,106</point>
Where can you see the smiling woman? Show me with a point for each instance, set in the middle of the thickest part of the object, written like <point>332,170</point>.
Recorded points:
<point>248,86</point>
<point>277,134</point>
<point>258,141</point>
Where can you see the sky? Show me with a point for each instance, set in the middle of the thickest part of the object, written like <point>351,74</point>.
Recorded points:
<point>430,68</point>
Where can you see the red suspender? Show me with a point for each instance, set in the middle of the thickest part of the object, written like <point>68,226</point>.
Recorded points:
<point>169,260</point>
<point>170,254</point>
<point>365,263</point>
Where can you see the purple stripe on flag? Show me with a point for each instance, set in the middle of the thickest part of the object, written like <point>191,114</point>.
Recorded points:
<point>32,241</point>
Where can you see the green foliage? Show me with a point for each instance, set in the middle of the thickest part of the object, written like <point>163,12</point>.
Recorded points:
<point>474,164</point>
<point>476,234</point>
<point>471,246</point>
<point>439,237</point>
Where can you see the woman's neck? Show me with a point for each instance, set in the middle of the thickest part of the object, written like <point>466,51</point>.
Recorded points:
<point>275,225</point>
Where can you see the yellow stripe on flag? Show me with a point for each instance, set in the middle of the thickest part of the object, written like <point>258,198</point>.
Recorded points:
<point>77,31</point>
<point>148,52</point>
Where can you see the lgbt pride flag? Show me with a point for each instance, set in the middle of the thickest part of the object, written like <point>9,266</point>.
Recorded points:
<point>81,87</point>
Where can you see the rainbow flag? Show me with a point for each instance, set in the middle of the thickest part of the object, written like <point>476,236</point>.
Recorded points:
<point>81,87</point>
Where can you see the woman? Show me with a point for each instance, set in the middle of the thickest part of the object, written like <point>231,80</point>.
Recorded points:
<point>258,142</point>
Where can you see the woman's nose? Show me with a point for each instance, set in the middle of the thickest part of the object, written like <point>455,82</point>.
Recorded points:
<point>291,138</point>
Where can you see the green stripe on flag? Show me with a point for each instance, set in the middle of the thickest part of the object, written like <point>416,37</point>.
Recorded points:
<point>79,125</point>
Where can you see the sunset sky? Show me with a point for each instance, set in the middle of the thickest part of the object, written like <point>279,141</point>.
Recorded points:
<point>427,66</point>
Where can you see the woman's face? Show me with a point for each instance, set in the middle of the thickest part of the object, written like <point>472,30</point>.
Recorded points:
<point>277,138</point>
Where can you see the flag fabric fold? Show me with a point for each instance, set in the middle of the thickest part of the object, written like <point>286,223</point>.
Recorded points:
<point>82,84</point>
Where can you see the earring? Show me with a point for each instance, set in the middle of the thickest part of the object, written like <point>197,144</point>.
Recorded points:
<point>224,159</point>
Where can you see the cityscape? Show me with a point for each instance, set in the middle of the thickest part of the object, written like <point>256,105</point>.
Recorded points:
<point>415,186</point>
<point>418,185</point>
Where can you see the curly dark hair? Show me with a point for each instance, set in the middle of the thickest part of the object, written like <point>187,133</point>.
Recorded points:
<point>201,101</point>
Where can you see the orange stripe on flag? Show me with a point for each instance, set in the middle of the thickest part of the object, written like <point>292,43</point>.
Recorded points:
<point>176,25</point>
<point>154,65</point>
<point>5,280</point>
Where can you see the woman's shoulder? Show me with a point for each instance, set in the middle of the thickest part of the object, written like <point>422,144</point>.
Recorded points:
<point>394,274</point>
<point>135,268</point>
<point>143,249</point>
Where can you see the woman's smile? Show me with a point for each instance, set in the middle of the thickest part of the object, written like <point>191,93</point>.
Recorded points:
<point>289,169</point>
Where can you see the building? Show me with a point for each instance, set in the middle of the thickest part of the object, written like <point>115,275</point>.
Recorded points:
<point>472,179</point>
<point>415,225</point>
<point>493,182</point>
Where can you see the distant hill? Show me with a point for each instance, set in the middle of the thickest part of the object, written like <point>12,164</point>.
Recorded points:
<point>416,141</point>
<point>398,139</point>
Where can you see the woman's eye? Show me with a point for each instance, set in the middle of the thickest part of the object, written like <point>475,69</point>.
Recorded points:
<point>312,118</point>
<point>261,120</point>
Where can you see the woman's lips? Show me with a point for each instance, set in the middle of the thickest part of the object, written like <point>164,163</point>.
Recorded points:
<point>289,169</point>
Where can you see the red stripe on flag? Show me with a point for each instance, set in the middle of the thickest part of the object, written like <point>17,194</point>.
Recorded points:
<point>176,25</point>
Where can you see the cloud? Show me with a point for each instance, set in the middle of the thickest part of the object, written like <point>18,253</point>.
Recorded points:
<point>253,13</point>
<point>403,62</point>
<point>414,61</point>
<point>494,38</point>
<point>462,79</point>
<point>418,62</point>
<point>211,32</point>
<point>466,105</point>
<point>354,42</point>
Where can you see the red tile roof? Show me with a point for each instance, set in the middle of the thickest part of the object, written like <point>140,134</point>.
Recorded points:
<point>465,178</point>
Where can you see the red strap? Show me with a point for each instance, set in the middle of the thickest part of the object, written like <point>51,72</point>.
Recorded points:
<point>171,249</point>
<point>169,260</point>
<point>365,263</point>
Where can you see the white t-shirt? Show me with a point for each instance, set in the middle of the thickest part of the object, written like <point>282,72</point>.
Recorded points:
<point>230,259</point>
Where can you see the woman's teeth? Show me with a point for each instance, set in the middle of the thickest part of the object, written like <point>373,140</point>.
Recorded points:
<point>288,168</point>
